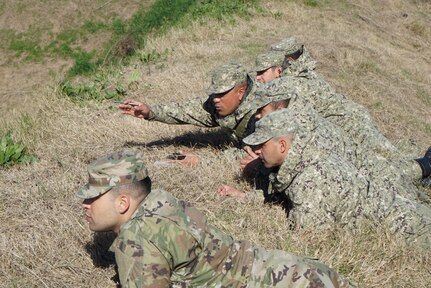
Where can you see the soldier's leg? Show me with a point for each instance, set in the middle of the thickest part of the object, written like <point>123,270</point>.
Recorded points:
<point>410,220</point>
<point>276,268</point>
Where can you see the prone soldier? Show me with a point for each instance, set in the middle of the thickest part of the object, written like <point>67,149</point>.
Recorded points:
<point>162,241</point>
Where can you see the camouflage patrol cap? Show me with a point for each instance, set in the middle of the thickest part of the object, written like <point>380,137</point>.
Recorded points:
<point>275,124</point>
<point>227,76</point>
<point>277,87</point>
<point>275,90</point>
<point>269,59</point>
<point>122,167</point>
<point>287,46</point>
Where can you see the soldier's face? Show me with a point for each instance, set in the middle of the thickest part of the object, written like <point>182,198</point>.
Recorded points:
<point>271,153</point>
<point>101,213</point>
<point>269,74</point>
<point>226,103</point>
<point>265,110</point>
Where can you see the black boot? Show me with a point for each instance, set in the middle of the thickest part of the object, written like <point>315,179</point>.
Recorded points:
<point>425,163</point>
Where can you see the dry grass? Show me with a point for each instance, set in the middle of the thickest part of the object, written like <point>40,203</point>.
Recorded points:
<point>366,49</point>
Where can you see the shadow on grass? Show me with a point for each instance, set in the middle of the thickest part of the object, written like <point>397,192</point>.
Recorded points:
<point>99,250</point>
<point>100,254</point>
<point>219,139</point>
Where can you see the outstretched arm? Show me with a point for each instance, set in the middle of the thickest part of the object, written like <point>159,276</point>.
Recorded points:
<point>135,108</point>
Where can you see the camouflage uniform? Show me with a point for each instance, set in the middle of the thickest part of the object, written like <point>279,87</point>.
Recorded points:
<point>201,112</point>
<point>168,240</point>
<point>353,118</point>
<point>168,243</point>
<point>331,138</point>
<point>323,188</point>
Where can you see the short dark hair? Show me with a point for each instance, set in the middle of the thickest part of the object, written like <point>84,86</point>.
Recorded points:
<point>138,190</point>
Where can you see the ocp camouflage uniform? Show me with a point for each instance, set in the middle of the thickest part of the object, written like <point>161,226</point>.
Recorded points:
<point>323,188</point>
<point>202,113</point>
<point>169,241</point>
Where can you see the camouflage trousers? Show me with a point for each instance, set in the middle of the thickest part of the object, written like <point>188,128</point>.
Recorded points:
<point>276,268</point>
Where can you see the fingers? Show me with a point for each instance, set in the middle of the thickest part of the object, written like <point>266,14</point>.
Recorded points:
<point>222,190</point>
<point>250,152</point>
<point>134,108</point>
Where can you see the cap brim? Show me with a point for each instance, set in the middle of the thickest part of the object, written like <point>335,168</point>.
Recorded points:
<point>256,138</point>
<point>261,69</point>
<point>88,191</point>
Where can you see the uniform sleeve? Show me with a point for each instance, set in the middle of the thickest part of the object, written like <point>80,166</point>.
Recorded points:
<point>141,264</point>
<point>189,112</point>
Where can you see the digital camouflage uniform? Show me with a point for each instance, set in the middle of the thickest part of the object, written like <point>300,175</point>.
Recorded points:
<point>330,138</point>
<point>353,118</point>
<point>168,243</point>
<point>323,188</point>
<point>201,112</point>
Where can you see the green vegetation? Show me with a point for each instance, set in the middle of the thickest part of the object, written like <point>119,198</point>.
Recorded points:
<point>12,153</point>
<point>311,3</point>
<point>126,36</point>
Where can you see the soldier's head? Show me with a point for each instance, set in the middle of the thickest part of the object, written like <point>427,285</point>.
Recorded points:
<point>269,66</point>
<point>228,87</point>
<point>273,137</point>
<point>117,184</point>
<point>271,107</point>
<point>271,97</point>
<point>291,50</point>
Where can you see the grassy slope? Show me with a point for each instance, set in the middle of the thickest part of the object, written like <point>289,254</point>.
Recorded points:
<point>369,51</point>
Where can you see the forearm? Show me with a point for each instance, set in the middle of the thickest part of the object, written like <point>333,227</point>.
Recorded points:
<point>190,112</point>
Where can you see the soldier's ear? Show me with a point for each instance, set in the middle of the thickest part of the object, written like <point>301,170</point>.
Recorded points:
<point>241,90</point>
<point>283,145</point>
<point>123,203</point>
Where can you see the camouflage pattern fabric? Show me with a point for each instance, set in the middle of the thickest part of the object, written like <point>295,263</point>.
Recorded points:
<point>269,59</point>
<point>202,113</point>
<point>287,46</point>
<point>168,241</point>
<point>353,118</point>
<point>332,138</point>
<point>118,168</point>
<point>323,188</point>
<point>225,77</point>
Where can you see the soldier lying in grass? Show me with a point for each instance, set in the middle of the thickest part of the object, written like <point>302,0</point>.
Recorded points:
<point>322,188</point>
<point>162,241</point>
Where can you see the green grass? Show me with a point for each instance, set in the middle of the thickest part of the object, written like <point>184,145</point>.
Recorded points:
<point>13,153</point>
<point>126,36</point>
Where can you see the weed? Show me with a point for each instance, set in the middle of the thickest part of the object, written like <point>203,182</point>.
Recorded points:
<point>12,153</point>
<point>23,43</point>
<point>152,56</point>
<point>118,26</point>
<point>83,64</point>
<point>93,27</point>
<point>311,3</point>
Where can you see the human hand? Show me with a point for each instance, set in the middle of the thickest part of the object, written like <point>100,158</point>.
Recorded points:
<point>225,190</point>
<point>250,152</point>
<point>185,158</point>
<point>135,108</point>
<point>244,162</point>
